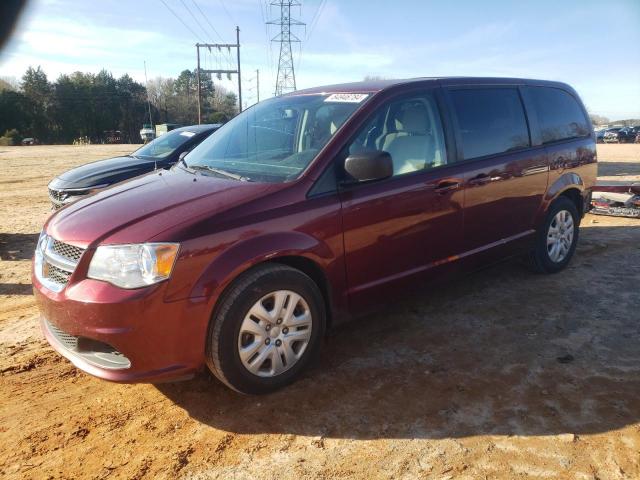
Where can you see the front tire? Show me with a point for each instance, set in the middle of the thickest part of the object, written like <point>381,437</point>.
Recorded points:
<point>556,241</point>
<point>266,329</point>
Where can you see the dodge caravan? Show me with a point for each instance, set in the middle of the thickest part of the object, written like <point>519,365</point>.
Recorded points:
<point>306,209</point>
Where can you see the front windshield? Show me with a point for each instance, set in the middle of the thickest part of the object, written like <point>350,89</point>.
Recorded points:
<point>275,140</point>
<point>164,145</point>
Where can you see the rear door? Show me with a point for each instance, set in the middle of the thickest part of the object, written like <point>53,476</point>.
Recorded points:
<point>506,176</point>
<point>400,230</point>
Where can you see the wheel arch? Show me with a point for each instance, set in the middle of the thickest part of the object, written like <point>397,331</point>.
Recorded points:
<point>570,185</point>
<point>294,249</point>
<point>313,270</point>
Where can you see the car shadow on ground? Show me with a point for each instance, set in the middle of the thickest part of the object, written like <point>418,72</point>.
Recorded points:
<point>17,246</point>
<point>500,352</point>
<point>16,289</point>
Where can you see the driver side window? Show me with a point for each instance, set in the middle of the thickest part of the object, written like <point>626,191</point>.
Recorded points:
<point>410,130</point>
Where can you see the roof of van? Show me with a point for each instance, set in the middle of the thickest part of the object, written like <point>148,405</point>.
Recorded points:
<point>372,86</point>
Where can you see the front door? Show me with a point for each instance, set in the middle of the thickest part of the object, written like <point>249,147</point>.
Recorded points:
<point>400,230</point>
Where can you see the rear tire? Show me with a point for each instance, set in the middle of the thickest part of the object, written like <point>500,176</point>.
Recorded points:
<point>266,329</point>
<point>556,240</point>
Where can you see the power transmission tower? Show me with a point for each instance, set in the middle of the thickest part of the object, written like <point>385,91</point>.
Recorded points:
<point>286,79</point>
<point>200,71</point>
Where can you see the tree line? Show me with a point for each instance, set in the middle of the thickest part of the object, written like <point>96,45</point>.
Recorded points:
<point>90,105</point>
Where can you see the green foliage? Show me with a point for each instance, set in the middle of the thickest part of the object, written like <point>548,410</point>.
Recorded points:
<point>87,105</point>
<point>176,100</point>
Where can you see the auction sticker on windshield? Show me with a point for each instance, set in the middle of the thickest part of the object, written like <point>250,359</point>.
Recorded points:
<point>346,97</point>
<point>187,134</point>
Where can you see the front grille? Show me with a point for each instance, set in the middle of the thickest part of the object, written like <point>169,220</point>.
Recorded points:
<point>56,195</point>
<point>57,198</point>
<point>57,275</point>
<point>92,351</point>
<point>56,264</point>
<point>67,341</point>
<point>66,250</point>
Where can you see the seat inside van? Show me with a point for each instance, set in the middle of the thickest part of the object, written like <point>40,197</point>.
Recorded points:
<point>409,137</point>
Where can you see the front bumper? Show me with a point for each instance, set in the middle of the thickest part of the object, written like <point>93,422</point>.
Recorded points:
<point>124,335</point>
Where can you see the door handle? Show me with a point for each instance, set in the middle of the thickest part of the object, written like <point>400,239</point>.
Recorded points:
<point>480,179</point>
<point>448,185</point>
<point>484,178</point>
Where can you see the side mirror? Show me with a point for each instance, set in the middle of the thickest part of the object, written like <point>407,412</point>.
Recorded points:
<point>369,165</point>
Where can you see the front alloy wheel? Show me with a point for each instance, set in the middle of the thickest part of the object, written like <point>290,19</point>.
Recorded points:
<point>275,333</point>
<point>266,329</point>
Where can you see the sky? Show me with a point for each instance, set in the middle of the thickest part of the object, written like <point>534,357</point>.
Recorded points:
<point>592,45</point>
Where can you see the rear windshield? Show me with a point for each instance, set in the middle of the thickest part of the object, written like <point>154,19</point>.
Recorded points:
<point>165,145</point>
<point>275,140</point>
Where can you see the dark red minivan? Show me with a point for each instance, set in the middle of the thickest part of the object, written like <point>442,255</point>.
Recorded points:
<point>307,208</point>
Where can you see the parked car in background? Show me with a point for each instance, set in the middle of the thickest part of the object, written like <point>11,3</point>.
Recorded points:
<point>600,135</point>
<point>611,135</point>
<point>627,134</point>
<point>162,152</point>
<point>307,208</point>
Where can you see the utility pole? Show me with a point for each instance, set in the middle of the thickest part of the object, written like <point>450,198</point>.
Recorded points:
<point>200,71</point>
<point>239,82</point>
<point>286,79</point>
<point>146,86</point>
<point>258,85</point>
<point>198,82</point>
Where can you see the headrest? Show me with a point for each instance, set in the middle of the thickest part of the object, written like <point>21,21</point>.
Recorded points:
<point>414,119</point>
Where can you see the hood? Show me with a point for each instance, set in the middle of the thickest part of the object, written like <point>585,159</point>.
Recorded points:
<point>140,209</point>
<point>108,171</point>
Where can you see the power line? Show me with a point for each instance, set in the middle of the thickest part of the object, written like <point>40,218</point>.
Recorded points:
<point>194,18</point>
<point>227,12</point>
<point>182,21</point>
<point>206,18</point>
<point>229,59</point>
<point>315,19</point>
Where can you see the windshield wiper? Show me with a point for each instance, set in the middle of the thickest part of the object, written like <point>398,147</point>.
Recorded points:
<point>220,172</point>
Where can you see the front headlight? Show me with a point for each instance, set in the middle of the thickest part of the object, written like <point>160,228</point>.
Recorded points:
<point>134,265</point>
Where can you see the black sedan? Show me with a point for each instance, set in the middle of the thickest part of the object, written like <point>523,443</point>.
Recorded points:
<point>162,152</point>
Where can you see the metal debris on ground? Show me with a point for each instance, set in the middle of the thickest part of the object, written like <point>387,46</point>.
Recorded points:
<point>616,200</point>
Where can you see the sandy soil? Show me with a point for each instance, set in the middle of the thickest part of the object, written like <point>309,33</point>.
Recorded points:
<point>502,374</point>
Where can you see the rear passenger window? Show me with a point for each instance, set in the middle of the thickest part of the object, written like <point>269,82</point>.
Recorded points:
<point>491,121</point>
<point>559,114</point>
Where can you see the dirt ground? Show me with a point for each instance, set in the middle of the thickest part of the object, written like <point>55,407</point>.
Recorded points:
<point>503,374</point>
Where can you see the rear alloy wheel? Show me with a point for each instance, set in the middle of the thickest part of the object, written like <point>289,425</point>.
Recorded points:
<point>560,236</point>
<point>266,329</point>
<point>557,239</point>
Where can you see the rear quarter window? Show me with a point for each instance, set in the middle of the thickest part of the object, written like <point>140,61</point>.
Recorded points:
<point>559,115</point>
<point>490,120</point>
